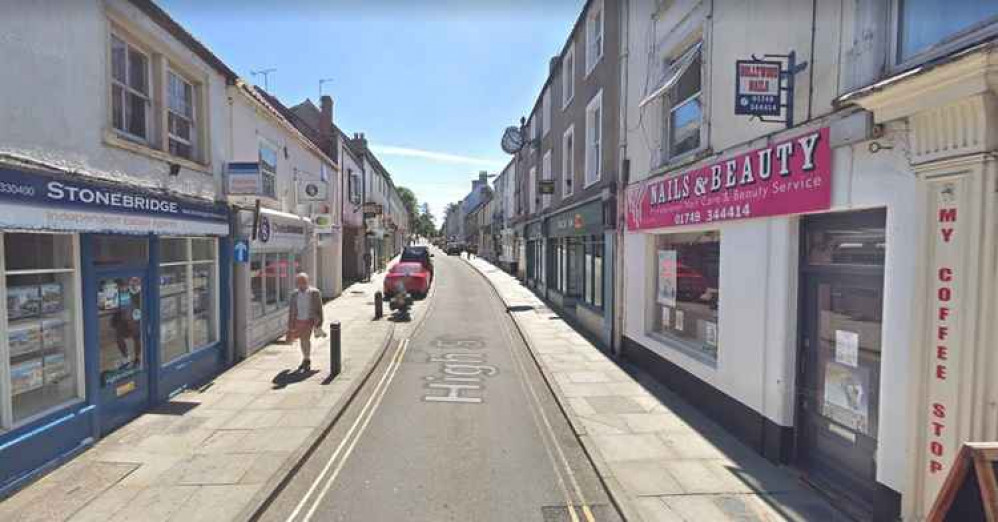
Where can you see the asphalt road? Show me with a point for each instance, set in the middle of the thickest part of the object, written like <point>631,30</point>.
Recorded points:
<point>455,423</point>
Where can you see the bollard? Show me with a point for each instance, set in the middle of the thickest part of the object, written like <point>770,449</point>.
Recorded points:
<point>378,305</point>
<point>335,351</point>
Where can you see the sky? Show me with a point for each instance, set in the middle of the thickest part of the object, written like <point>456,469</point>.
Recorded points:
<point>432,84</point>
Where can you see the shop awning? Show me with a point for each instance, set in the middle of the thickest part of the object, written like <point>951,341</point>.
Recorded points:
<point>672,74</point>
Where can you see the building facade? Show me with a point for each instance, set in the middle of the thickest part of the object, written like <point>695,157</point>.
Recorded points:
<point>567,174</point>
<point>818,286</point>
<point>115,247</point>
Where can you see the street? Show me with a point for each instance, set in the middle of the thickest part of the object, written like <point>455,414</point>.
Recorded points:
<point>456,423</point>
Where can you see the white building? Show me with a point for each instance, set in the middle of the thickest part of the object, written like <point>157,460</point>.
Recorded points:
<point>788,282</point>
<point>114,252</point>
<point>280,163</point>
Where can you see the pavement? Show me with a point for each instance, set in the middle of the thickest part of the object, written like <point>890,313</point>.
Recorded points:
<point>659,457</point>
<point>217,453</point>
<point>456,423</point>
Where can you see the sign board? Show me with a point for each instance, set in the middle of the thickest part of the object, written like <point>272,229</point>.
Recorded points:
<point>970,491</point>
<point>323,223</point>
<point>31,200</point>
<point>243,178</point>
<point>312,190</point>
<point>788,177</point>
<point>240,251</point>
<point>545,186</point>
<point>586,220</point>
<point>757,87</point>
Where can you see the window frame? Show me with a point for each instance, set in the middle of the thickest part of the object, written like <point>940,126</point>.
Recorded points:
<point>594,130</point>
<point>532,204</point>
<point>546,112</point>
<point>7,422</point>
<point>189,263</point>
<point>568,156</point>
<point>592,60</point>
<point>193,120</point>
<point>568,76</point>
<point>547,175</point>
<point>980,31</point>
<point>653,309</point>
<point>127,89</point>
<point>264,173</point>
<point>669,108</point>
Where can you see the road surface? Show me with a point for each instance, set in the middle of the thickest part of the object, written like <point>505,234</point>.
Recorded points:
<point>455,423</point>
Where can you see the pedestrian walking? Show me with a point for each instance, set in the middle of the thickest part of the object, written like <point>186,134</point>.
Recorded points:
<point>304,317</point>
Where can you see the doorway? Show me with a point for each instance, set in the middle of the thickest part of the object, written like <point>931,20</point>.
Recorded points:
<point>118,301</point>
<point>842,281</point>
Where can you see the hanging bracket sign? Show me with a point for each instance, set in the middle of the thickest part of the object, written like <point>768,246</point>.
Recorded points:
<point>760,84</point>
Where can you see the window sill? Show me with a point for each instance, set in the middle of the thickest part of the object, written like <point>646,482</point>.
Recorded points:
<point>684,347</point>
<point>567,103</point>
<point>590,69</point>
<point>112,139</point>
<point>587,184</point>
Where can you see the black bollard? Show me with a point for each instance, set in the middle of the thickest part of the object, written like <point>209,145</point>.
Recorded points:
<point>378,305</point>
<point>335,352</point>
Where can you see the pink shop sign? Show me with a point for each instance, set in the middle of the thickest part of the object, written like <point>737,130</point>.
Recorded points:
<point>788,177</point>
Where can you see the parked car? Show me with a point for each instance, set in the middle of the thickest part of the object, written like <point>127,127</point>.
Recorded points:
<point>418,254</point>
<point>410,276</point>
<point>454,249</point>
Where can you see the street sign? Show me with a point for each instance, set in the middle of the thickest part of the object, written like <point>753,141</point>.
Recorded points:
<point>240,251</point>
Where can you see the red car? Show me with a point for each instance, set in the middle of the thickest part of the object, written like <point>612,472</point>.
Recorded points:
<point>412,276</point>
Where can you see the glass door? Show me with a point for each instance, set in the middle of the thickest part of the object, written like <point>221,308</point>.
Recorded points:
<point>122,346</point>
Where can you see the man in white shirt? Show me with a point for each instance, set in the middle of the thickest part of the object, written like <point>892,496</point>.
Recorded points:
<point>304,316</point>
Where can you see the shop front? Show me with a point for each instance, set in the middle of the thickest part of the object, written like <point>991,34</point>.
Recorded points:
<point>578,268</point>
<point>535,259</point>
<point>282,248</point>
<point>770,288</point>
<point>114,300</point>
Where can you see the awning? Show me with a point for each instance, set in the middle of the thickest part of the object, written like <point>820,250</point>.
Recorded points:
<point>673,73</point>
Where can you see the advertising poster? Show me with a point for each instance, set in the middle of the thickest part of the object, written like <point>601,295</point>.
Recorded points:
<point>51,298</point>
<point>846,399</point>
<point>26,376</point>
<point>666,316</point>
<point>667,277</point>
<point>847,348</point>
<point>680,320</point>
<point>23,301</point>
<point>710,333</point>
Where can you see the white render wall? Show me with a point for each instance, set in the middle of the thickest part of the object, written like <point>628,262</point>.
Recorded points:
<point>55,104</point>
<point>757,323</point>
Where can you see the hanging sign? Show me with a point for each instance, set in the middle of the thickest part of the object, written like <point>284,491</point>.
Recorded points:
<point>545,187</point>
<point>312,190</point>
<point>757,87</point>
<point>789,177</point>
<point>243,178</point>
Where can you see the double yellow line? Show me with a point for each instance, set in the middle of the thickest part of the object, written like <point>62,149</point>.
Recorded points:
<point>349,441</point>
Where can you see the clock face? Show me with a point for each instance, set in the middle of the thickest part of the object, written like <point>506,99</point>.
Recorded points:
<point>512,140</point>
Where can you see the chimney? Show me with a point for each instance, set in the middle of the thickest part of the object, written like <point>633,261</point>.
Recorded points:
<point>483,176</point>
<point>326,119</point>
<point>552,64</point>
<point>359,141</point>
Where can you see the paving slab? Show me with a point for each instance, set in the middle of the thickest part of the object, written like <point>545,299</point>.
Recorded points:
<point>661,459</point>
<point>216,453</point>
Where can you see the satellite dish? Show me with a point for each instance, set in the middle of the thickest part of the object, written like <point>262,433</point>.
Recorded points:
<point>512,140</point>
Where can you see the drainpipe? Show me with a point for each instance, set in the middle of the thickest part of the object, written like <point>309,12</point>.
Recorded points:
<point>619,306</point>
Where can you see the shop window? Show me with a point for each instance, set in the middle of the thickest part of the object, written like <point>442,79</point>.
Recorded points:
<point>41,341</point>
<point>684,306</point>
<point>284,264</point>
<point>257,278</point>
<point>592,272</point>
<point>121,250</point>
<point>846,245</point>
<point>927,24</point>
<point>271,276</point>
<point>188,296</point>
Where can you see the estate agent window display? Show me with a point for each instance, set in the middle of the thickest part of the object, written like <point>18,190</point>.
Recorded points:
<point>188,295</point>
<point>41,348</point>
<point>687,275</point>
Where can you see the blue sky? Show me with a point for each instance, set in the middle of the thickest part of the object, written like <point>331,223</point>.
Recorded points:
<point>431,84</point>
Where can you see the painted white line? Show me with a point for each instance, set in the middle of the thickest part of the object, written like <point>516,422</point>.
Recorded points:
<point>397,362</point>
<point>332,459</point>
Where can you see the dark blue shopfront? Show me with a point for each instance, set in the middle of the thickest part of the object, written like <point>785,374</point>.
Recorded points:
<point>116,300</point>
